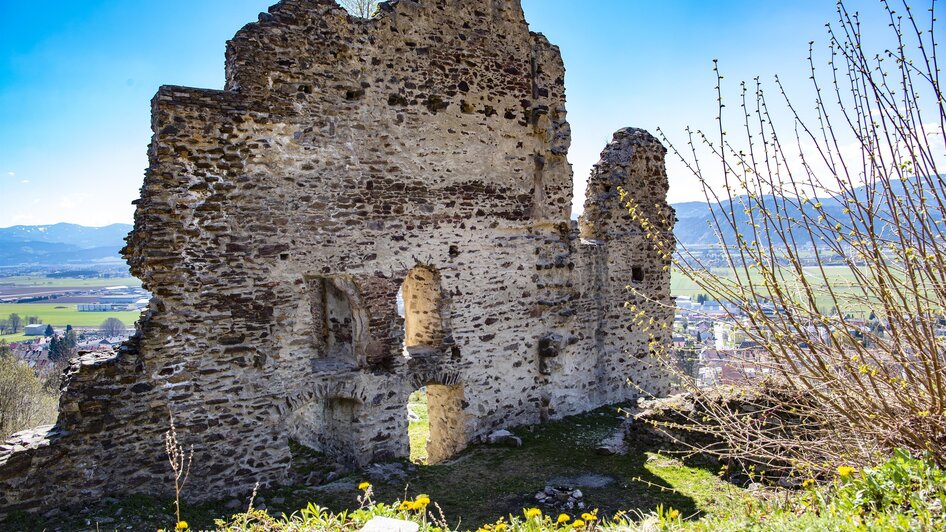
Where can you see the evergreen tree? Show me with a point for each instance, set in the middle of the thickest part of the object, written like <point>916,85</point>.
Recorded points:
<point>55,349</point>
<point>70,344</point>
<point>49,331</point>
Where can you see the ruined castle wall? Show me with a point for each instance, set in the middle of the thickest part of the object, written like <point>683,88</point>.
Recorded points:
<point>278,220</point>
<point>628,225</point>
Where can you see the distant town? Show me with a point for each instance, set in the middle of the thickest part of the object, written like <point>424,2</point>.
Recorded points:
<point>47,317</point>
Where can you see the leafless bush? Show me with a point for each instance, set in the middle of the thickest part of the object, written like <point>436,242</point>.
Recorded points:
<point>112,327</point>
<point>24,403</point>
<point>856,183</point>
<point>361,8</point>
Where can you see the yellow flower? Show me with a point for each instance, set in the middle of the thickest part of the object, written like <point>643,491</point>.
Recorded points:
<point>807,482</point>
<point>532,512</point>
<point>500,527</point>
<point>563,518</point>
<point>673,513</point>
<point>422,500</point>
<point>181,525</point>
<point>404,506</point>
<point>588,517</point>
<point>578,523</point>
<point>364,486</point>
<point>845,471</point>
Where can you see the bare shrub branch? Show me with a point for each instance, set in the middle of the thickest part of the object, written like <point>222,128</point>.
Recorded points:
<point>854,184</point>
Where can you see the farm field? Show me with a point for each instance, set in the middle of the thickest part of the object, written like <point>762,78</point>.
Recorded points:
<point>59,315</point>
<point>39,280</point>
<point>841,278</point>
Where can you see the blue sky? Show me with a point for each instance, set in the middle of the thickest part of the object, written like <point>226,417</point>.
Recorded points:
<point>76,78</point>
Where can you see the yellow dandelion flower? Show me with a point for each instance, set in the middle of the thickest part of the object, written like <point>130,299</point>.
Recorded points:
<point>807,482</point>
<point>500,527</point>
<point>588,517</point>
<point>578,523</point>
<point>532,512</point>
<point>422,500</point>
<point>364,486</point>
<point>845,471</point>
<point>404,506</point>
<point>181,525</point>
<point>673,513</point>
<point>563,518</point>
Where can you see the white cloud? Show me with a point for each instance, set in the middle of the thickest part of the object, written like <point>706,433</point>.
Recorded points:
<point>11,174</point>
<point>75,201</point>
<point>25,181</point>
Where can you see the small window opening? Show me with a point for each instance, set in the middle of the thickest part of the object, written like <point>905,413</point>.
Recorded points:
<point>420,303</point>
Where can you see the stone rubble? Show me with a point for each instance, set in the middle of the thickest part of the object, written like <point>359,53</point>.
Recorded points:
<point>561,498</point>
<point>505,438</point>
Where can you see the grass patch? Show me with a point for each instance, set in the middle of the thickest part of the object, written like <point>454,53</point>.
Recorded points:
<point>485,482</point>
<point>18,337</point>
<point>62,314</point>
<point>418,428</point>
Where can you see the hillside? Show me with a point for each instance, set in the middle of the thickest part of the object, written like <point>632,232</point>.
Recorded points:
<point>61,244</point>
<point>695,225</point>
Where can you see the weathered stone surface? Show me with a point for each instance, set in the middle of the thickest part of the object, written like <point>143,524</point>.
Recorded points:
<point>504,437</point>
<point>347,161</point>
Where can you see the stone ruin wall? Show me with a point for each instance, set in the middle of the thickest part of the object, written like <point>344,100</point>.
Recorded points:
<point>279,219</point>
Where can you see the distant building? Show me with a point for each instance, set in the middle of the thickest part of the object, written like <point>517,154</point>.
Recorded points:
<point>36,329</point>
<point>711,306</point>
<point>728,335</point>
<point>123,300</point>
<point>94,307</point>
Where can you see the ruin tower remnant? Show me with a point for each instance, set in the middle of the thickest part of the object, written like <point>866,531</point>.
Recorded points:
<point>368,208</point>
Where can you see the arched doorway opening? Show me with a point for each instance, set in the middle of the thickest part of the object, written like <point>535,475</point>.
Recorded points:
<point>436,427</point>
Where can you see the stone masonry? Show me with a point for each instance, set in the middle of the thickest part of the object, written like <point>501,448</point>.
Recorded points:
<point>368,208</point>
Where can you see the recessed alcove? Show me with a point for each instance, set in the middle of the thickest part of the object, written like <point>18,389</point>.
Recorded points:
<point>328,426</point>
<point>336,317</point>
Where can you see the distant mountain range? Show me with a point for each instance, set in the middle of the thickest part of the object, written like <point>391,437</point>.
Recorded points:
<point>695,219</point>
<point>61,244</point>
